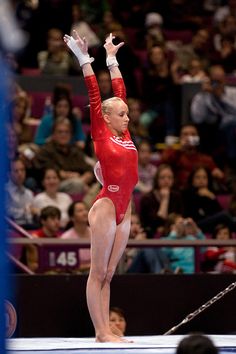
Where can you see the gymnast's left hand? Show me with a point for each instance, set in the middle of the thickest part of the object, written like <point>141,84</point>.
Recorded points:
<point>111,48</point>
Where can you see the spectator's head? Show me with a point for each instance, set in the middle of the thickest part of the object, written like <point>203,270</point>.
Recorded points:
<point>62,131</point>
<point>144,152</point>
<point>17,172</point>
<point>200,39</point>
<point>135,110</point>
<point>217,79</point>
<point>62,106</point>
<point>20,105</point>
<point>200,177</point>
<point>135,225</point>
<point>117,319</point>
<point>196,344</point>
<point>104,82</point>
<point>189,137</point>
<point>78,213</point>
<point>51,180</point>
<point>164,177</point>
<point>222,232</point>
<point>50,219</point>
<point>157,55</point>
<point>55,41</point>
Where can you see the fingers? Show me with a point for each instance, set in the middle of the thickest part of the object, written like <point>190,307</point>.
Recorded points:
<point>66,38</point>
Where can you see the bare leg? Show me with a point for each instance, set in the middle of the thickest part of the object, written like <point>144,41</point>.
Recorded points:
<point>102,221</point>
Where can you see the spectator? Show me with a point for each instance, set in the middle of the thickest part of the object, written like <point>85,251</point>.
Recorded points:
<point>76,175</point>
<point>19,206</point>
<point>146,170</point>
<point>56,60</point>
<point>137,130</point>
<point>200,202</point>
<point>182,259</point>
<point>50,225</point>
<point>195,72</point>
<point>160,201</point>
<point>196,344</point>
<point>220,259</point>
<point>184,160</point>
<point>62,107</point>
<point>117,321</point>
<point>80,230</point>
<point>51,196</point>
<point>214,108</point>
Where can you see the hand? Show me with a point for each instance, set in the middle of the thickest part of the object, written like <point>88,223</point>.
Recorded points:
<point>111,48</point>
<point>191,227</point>
<point>79,47</point>
<point>205,192</point>
<point>164,193</point>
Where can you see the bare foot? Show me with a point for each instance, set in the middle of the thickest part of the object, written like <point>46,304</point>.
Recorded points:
<point>111,338</point>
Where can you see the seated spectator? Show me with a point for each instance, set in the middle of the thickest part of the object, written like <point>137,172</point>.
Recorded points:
<point>200,202</point>
<point>158,88</point>
<point>226,55</point>
<point>19,199</point>
<point>220,259</point>
<point>214,109</point>
<point>182,259</point>
<point>61,107</point>
<point>80,230</point>
<point>184,160</point>
<point>195,72</point>
<point>160,201</point>
<point>226,27</point>
<point>146,170</point>
<point>76,175</point>
<point>117,321</point>
<point>56,60</point>
<point>50,227</point>
<point>145,260</point>
<point>51,196</point>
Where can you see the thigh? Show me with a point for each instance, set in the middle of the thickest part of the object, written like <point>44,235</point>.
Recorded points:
<point>102,221</point>
<point>121,239</point>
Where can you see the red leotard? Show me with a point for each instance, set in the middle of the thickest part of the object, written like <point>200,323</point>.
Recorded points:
<point>117,155</point>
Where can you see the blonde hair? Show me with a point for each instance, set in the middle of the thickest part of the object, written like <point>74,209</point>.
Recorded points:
<point>107,105</point>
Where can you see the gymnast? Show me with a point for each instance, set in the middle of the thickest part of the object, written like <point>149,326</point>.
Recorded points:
<point>110,215</point>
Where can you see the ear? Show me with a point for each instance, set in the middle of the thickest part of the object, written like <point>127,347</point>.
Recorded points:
<point>107,118</point>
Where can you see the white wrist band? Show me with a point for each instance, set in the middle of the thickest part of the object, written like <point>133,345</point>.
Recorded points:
<point>83,58</point>
<point>111,62</point>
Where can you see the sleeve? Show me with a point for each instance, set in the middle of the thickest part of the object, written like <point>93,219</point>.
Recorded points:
<point>44,130</point>
<point>96,117</point>
<point>119,89</point>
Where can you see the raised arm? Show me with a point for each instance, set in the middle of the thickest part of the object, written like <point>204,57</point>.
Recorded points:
<point>113,66</point>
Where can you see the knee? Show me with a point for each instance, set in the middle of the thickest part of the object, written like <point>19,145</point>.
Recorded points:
<point>98,274</point>
<point>109,275</point>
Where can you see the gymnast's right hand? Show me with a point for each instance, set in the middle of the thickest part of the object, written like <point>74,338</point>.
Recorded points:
<point>79,47</point>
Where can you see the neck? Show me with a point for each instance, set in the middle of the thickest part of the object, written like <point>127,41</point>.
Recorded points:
<point>51,194</point>
<point>81,229</point>
<point>48,233</point>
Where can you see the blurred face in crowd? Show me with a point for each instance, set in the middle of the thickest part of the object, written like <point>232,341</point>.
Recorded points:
<point>62,134</point>
<point>157,55</point>
<point>135,225</point>
<point>104,82</point>
<point>51,225</point>
<point>200,178</point>
<point>223,234</point>
<point>144,154</point>
<point>80,213</point>
<point>166,178</point>
<point>134,110</point>
<point>18,172</point>
<point>55,40</point>
<point>189,136</point>
<point>200,39</point>
<point>51,181</point>
<point>62,108</point>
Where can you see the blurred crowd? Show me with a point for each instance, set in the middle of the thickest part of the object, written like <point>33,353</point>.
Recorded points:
<point>187,167</point>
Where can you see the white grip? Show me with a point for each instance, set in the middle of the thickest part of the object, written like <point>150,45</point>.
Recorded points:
<point>111,61</point>
<point>83,58</point>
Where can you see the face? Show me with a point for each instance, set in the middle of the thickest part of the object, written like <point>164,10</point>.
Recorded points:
<point>118,321</point>
<point>18,172</point>
<point>104,82</point>
<point>144,154</point>
<point>187,135</point>
<point>51,180</point>
<point>55,40</point>
<point>157,55</point>
<point>223,234</point>
<point>200,39</point>
<point>195,67</point>
<point>118,118</point>
<point>134,111</point>
<point>200,179</point>
<point>19,110</point>
<point>166,178</point>
<point>80,213</point>
<point>52,224</point>
<point>62,108</point>
<point>62,134</point>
